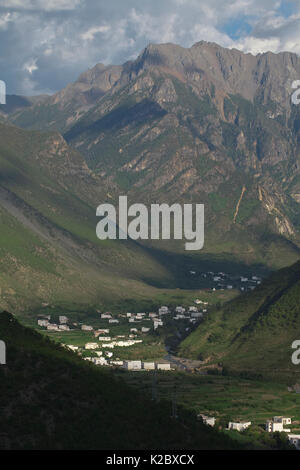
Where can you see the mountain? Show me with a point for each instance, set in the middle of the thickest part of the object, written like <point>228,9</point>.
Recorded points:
<point>51,399</point>
<point>204,124</point>
<point>49,252</point>
<point>60,111</point>
<point>254,332</point>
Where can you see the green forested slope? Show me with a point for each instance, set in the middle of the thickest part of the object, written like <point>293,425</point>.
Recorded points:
<point>255,331</point>
<point>51,399</point>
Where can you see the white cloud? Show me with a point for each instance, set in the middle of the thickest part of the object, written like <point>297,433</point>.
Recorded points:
<point>30,66</point>
<point>5,19</point>
<point>89,35</point>
<point>65,37</point>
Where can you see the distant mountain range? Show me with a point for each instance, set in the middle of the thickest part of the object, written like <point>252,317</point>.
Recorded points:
<point>204,124</point>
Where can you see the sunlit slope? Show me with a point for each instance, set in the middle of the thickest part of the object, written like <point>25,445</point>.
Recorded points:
<point>48,244</point>
<point>255,331</point>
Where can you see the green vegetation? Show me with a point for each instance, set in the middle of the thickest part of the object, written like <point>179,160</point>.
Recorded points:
<point>228,398</point>
<point>51,399</point>
<point>253,333</point>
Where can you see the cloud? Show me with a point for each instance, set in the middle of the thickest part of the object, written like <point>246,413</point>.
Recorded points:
<point>89,35</point>
<point>30,66</point>
<point>4,20</point>
<point>54,41</point>
<point>49,5</point>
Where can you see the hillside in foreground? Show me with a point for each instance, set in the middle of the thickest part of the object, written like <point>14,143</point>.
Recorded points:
<point>52,399</point>
<point>254,332</point>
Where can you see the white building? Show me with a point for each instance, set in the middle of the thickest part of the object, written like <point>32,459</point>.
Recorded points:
<point>91,346</point>
<point>163,366</point>
<point>63,319</point>
<point>113,320</point>
<point>127,343</point>
<point>102,331</point>
<point>277,423</point>
<point>157,323</point>
<point>180,309</point>
<point>52,327</point>
<point>105,315</point>
<point>104,338</point>
<point>72,347</point>
<point>64,327</point>
<point>108,354</point>
<point>86,328</point>
<point>145,330</point>
<point>196,314</point>
<point>99,361</point>
<point>163,310</point>
<point>239,426</point>
<point>209,420</point>
<point>193,309</point>
<point>149,365</point>
<point>133,365</point>
<point>43,323</point>
<point>282,419</point>
<point>116,363</point>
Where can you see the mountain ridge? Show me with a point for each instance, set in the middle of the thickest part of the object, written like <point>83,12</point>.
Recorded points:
<point>167,128</point>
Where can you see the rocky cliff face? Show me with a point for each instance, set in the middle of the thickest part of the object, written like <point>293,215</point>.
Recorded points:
<point>204,124</point>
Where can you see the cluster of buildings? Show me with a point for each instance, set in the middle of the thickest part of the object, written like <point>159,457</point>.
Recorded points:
<point>103,342</point>
<point>237,426</point>
<point>108,342</point>
<point>45,321</point>
<point>136,365</point>
<point>139,365</point>
<point>276,424</point>
<point>221,280</point>
<point>191,313</point>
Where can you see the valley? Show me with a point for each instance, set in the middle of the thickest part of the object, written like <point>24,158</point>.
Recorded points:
<point>133,339</point>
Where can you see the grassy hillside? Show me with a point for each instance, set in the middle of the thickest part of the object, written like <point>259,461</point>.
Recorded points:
<point>255,331</point>
<point>51,399</point>
<point>48,244</point>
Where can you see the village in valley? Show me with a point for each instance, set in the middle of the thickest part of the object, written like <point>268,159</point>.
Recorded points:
<point>221,280</point>
<point>136,342</point>
<point>113,336</point>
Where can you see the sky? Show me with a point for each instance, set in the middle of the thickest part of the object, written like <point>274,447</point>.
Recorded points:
<point>45,44</point>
